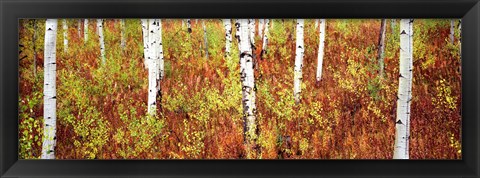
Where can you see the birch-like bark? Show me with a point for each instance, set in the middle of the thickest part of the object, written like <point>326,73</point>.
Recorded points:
<point>228,36</point>
<point>298,61</point>
<point>321,47</point>
<point>122,33</point>
<point>205,38</point>
<point>460,35</point>
<point>237,34</point>
<point>402,125</point>
<point>153,58</point>
<point>145,32</point>
<point>101,39</point>
<point>248,81</point>
<point>79,28</point>
<point>381,46</point>
<point>189,26</point>
<point>65,36</point>
<point>265,37</point>
<point>452,31</point>
<point>34,48</point>
<point>316,23</point>
<point>251,26</point>
<point>49,90</point>
<point>261,23</point>
<point>85,30</point>
<point>160,58</point>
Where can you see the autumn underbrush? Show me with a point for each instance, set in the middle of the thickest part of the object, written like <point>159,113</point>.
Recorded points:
<point>349,114</point>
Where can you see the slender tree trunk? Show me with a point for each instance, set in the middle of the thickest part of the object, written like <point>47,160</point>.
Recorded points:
<point>460,35</point>
<point>248,83</point>
<point>298,61</point>
<point>402,125</point>
<point>237,34</point>
<point>161,63</point>
<point>34,48</point>
<point>452,31</point>
<point>265,37</point>
<point>146,46</point>
<point>321,47</point>
<point>153,58</point>
<point>79,28</point>
<point>85,30</point>
<point>49,90</point>
<point>122,34</point>
<point>65,36</point>
<point>381,47</point>
<point>251,26</point>
<point>101,39</point>
<point>205,38</point>
<point>261,23</point>
<point>228,36</point>
<point>316,23</point>
<point>189,26</point>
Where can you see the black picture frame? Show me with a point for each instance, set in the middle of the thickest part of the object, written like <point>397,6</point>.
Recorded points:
<point>467,10</point>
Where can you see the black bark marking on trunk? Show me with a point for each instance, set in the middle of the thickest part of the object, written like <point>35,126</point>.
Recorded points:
<point>399,122</point>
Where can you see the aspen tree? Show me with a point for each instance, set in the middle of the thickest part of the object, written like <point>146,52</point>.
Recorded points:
<point>381,46</point>
<point>251,27</point>
<point>85,30</point>
<point>321,47</point>
<point>265,37</point>
<point>228,36</point>
<point>145,33</point>
<point>189,26</point>
<point>316,23</point>
<point>79,28</point>
<point>49,90</point>
<point>153,58</point>
<point>65,36</point>
<point>392,24</point>
<point>261,23</point>
<point>101,40</point>
<point>298,61</point>
<point>248,82</point>
<point>402,123</point>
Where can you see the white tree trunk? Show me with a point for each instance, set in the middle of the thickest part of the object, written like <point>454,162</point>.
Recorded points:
<point>237,34</point>
<point>145,33</point>
<point>321,47</point>
<point>265,37</point>
<point>153,58</point>
<point>160,54</point>
<point>101,39</point>
<point>122,33</point>
<point>261,23</point>
<point>79,28</point>
<point>49,90</point>
<point>452,31</point>
<point>251,26</point>
<point>228,36</point>
<point>65,36</point>
<point>189,26</point>
<point>85,30</point>
<point>297,84</point>
<point>402,125</point>
<point>381,46</point>
<point>316,23</point>
<point>248,80</point>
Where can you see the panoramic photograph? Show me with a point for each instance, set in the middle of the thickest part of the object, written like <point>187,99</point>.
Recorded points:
<point>171,89</point>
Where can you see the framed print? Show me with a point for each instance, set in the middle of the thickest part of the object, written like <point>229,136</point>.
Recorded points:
<point>239,88</point>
